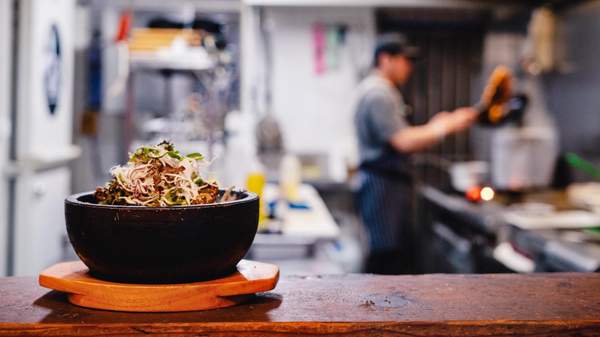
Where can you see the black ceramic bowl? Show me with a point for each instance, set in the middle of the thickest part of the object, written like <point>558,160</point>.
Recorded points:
<point>161,244</point>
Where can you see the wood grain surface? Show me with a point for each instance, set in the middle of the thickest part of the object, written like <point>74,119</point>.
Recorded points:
<point>346,305</point>
<point>84,290</point>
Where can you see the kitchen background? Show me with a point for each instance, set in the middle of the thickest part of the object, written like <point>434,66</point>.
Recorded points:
<point>266,87</point>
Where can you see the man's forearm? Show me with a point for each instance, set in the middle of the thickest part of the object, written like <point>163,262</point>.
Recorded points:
<point>417,138</point>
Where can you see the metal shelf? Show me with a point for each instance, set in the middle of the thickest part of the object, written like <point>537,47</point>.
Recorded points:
<point>214,6</point>
<point>154,61</point>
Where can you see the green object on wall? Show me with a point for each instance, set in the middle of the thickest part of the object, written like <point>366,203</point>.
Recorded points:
<point>582,165</point>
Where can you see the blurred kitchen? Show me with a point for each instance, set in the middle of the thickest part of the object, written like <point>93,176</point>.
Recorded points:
<point>266,90</point>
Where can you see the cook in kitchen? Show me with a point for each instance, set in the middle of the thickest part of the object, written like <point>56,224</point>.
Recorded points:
<point>386,141</point>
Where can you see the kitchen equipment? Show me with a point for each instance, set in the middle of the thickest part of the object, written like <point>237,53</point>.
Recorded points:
<point>559,219</point>
<point>496,93</point>
<point>38,173</point>
<point>161,244</point>
<point>498,105</point>
<point>523,158</point>
<point>465,175</point>
<point>295,233</point>
<point>290,178</point>
<point>515,109</point>
<point>585,195</point>
<point>508,256</point>
<point>268,135</point>
<point>85,290</point>
<point>541,50</point>
<point>532,208</point>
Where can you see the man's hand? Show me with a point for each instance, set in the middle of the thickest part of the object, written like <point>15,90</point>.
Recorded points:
<point>445,123</point>
<point>462,118</point>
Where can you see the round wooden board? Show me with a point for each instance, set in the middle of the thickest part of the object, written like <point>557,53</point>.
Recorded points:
<point>86,291</point>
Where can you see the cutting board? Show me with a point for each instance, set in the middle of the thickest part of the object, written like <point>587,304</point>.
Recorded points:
<point>86,291</point>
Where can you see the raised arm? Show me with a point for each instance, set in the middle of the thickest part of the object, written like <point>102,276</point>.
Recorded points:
<point>418,138</point>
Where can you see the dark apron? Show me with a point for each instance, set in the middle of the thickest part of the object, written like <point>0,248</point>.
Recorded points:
<point>384,201</point>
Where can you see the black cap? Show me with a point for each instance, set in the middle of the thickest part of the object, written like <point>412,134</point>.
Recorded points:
<point>395,44</point>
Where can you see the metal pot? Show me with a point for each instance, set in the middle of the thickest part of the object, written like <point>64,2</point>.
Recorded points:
<point>468,174</point>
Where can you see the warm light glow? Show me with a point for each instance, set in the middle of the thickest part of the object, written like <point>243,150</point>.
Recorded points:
<point>487,193</point>
<point>473,194</point>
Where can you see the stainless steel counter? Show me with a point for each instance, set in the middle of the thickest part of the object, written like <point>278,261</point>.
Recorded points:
<point>470,232</point>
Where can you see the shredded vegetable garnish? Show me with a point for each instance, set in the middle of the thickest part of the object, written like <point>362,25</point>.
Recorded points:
<point>158,176</point>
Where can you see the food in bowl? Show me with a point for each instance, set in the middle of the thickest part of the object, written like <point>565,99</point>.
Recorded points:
<point>159,176</point>
<point>125,240</point>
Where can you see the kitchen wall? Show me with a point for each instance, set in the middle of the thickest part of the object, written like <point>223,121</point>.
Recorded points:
<point>573,96</point>
<point>315,110</point>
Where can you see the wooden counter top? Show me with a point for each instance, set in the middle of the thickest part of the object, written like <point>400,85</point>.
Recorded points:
<point>349,305</point>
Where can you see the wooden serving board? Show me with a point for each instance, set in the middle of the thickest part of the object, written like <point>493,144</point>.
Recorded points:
<point>86,291</point>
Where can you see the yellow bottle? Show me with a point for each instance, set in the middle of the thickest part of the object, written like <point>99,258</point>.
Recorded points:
<point>255,182</point>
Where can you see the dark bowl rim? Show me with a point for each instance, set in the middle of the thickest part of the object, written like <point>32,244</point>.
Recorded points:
<point>73,200</point>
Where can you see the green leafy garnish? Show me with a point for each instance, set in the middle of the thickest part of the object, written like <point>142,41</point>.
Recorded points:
<point>199,181</point>
<point>143,154</point>
<point>195,156</point>
<point>174,154</point>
